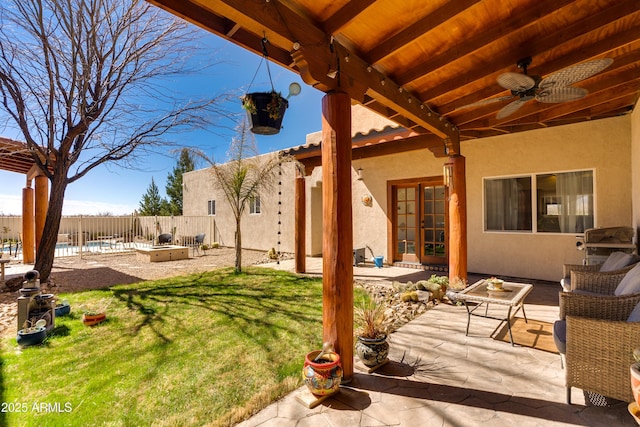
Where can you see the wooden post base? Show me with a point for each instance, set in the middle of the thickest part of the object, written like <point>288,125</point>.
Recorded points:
<point>311,400</point>
<point>371,369</point>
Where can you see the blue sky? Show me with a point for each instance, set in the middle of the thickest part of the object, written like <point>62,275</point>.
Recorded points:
<point>115,190</point>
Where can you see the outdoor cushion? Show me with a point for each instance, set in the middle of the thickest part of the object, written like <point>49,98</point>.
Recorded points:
<point>635,314</point>
<point>616,261</point>
<point>630,283</point>
<point>560,335</point>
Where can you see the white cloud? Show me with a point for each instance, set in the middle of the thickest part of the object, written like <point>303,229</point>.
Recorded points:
<point>12,205</point>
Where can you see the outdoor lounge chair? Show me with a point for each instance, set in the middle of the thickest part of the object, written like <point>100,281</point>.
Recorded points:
<point>617,262</point>
<point>197,241</point>
<point>602,330</point>
<point>165,238</point>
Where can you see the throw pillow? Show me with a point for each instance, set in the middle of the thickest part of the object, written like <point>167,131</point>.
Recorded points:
<point>635,314</point>
<point>630,283</point>
<point>616,261</point>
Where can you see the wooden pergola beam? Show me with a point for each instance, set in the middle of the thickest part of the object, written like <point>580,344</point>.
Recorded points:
<point>323,62</point>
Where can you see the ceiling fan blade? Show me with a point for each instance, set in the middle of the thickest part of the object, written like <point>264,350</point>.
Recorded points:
<point>485,102</point>
<point>516,82</point>
<point>575,73</point>
<point>509,109</point>
<point>561,94</point>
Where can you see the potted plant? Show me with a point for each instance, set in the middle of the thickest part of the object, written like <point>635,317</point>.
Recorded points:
<point>32,333</point>
<point>635,381</point>
<point>372,347</point>
<point>265,111</point>
<point>95,314</point>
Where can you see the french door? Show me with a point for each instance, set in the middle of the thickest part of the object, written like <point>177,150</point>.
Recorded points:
<point>419,221</point>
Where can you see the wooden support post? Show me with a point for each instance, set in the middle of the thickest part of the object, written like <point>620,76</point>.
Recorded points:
<point>457,218</point>
<point>28,227</point>
<point>41,206</point>
<point>300,223</point>
<point>337,235</point>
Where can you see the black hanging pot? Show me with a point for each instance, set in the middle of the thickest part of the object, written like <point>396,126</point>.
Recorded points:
<point>265,111</point>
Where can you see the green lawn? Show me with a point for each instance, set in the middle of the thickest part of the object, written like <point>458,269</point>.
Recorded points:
<point>193,350</point>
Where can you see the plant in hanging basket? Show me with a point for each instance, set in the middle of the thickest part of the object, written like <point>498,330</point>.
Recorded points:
<point>265,111</point>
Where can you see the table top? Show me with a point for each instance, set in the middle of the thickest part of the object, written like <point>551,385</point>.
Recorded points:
<point>512,293</point>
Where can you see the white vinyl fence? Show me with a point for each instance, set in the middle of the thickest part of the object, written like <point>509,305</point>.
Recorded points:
<point>112,234</point>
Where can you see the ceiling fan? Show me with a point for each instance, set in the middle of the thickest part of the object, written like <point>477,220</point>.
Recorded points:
<point>556,87</point>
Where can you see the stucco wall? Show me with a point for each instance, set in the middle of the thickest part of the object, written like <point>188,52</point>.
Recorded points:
<point>602,145</point>
<point>259,231</point>
<point>635,166</point>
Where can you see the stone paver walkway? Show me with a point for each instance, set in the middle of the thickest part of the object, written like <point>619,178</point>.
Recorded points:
<point>440,377</point>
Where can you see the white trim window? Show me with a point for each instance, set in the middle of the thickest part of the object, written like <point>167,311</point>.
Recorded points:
<point>211,207</point>
<point>558,202</point>
<point>254,205</point>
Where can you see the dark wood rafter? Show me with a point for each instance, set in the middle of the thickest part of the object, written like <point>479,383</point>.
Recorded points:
<point>539,45</point>
<point>315,53</point>
<point>426,69</point>
<point>345,15</point>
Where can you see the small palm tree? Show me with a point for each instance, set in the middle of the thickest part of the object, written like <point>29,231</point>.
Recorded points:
<point>244,177</point>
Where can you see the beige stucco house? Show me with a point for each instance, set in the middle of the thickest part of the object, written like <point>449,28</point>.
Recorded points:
<point>399,209</point>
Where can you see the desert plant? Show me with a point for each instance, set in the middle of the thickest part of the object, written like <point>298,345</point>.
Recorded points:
<point>370,319</point>
<point>458,283</point>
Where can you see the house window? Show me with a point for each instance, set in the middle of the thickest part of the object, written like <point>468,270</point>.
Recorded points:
<point>254,205</point>
<point>211,207</point>
<point>553,202</point>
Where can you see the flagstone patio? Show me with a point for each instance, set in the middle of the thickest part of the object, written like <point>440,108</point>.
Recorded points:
<point>440,377</point>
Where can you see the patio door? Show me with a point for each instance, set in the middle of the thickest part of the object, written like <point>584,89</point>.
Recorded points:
<point>419,221</point>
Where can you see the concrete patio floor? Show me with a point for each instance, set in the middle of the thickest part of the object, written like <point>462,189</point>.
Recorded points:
<point>437,376</point>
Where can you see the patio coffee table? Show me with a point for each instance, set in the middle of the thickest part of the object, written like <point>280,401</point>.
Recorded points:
<point>512,295</point>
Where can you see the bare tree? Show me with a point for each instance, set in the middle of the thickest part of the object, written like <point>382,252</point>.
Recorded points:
<point>83,82</point>
<point>244,177</point>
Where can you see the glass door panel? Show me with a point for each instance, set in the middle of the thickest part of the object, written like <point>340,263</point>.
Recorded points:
<point>433,224</point>
<point>406,224</point>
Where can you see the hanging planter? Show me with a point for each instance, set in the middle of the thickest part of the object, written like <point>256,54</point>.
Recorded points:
<point>265,111</point>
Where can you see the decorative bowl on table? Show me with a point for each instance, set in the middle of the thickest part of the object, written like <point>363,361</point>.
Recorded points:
<point>494,284</point>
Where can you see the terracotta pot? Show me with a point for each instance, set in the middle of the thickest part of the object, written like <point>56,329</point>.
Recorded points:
<point>322,377</point>
<point>372,351</point>
<point>635,383</point>
<point>93,319</point>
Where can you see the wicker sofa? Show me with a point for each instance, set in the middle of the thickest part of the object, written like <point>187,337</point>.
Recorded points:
<point>599,339</point>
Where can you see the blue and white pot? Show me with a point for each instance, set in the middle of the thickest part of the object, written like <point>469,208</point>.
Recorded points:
<point>372,351</point>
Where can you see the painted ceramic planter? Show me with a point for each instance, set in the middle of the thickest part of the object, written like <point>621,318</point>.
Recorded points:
<point>372,351</point>
<point>322,377</point>
<point>635,383</point>
<point>34,337</point>
<point>93,319</point>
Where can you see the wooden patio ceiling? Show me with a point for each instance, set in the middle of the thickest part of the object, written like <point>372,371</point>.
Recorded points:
<point>15,156</point>
<point>431,66</point>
